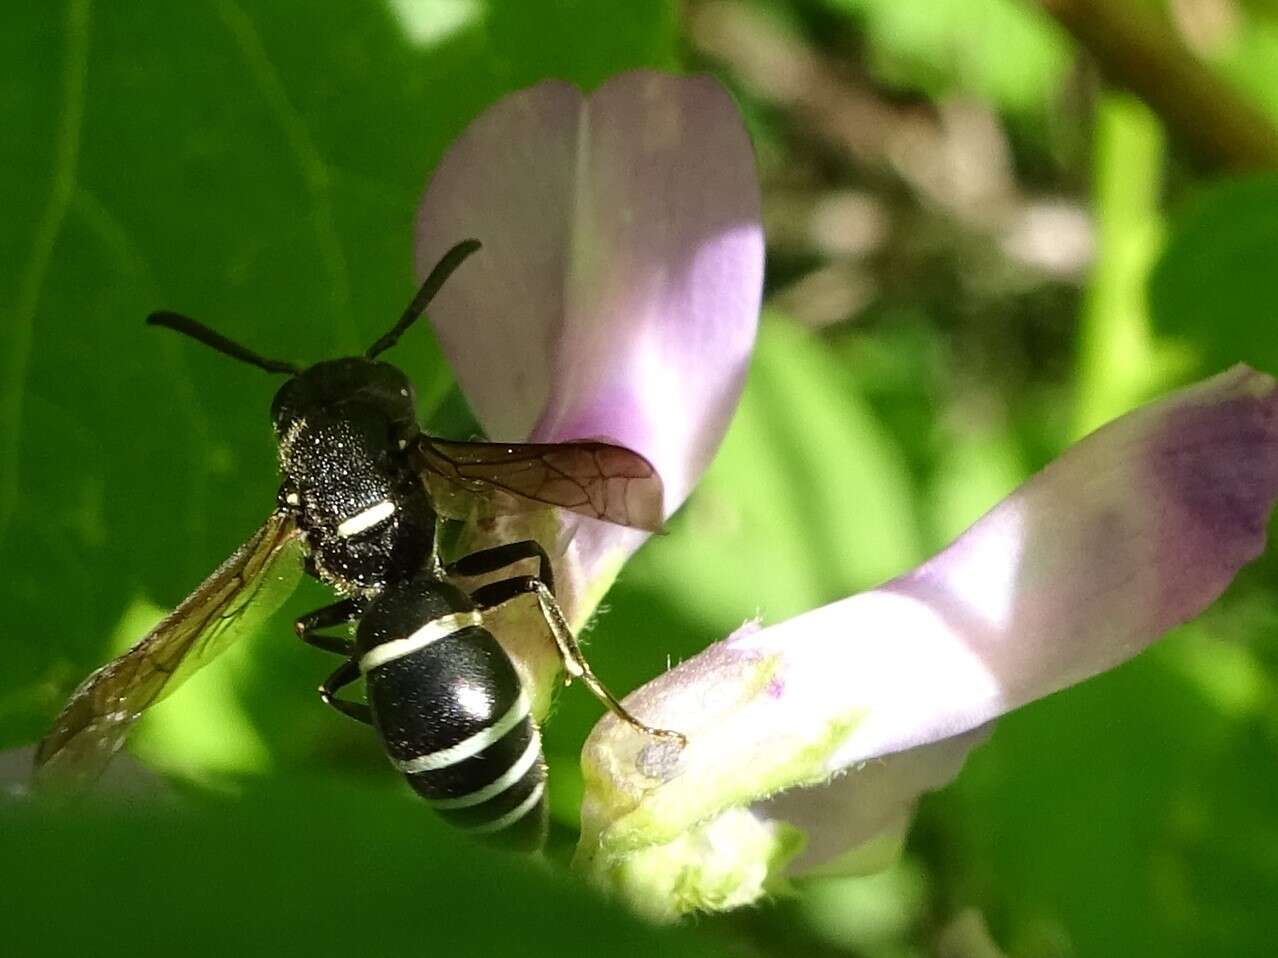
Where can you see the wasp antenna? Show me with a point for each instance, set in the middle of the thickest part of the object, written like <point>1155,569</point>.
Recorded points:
<point>438,276</point>
<point>189,327</point>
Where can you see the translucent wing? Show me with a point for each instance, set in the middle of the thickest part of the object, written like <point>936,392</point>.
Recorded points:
<point>595,479</point>
<point>233,601</point>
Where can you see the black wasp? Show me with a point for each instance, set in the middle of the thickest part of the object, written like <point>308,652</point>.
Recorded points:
<point>355,503</point>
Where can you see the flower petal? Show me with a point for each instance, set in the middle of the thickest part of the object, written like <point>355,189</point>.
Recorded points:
<point>1134,530</point>
<point>617,293</point>
<point>851,813</point>
<point>507,181</point>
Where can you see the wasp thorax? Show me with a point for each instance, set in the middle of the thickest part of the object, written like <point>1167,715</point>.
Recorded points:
<point>363,510</point>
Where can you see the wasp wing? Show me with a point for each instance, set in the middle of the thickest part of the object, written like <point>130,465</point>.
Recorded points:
<point>245,590</point>
<point>595,479</point>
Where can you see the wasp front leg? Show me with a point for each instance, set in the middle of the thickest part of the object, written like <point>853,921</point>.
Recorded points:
<point>542,586</point>
<point>339,613</point>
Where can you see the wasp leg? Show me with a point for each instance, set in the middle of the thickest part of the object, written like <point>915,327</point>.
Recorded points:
<point>575,664</point>
<point>344,675</point>
<point>434,564</point>
<point>498,557</point>
<point>339,613</point>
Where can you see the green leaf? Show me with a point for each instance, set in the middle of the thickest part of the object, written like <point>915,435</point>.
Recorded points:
<point>1131,815</point>
<point>807,501</point>
<point>1000,49</point>
<point>1214,286</point>
<point>307,869</point>
<point>256,167</point>
<point>1249,55</point>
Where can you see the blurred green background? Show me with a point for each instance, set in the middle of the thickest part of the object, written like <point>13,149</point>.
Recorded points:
<point>980,248</point>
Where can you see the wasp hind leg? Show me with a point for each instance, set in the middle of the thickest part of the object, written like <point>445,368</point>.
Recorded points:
<point>542,586</point>
<point>498,557</point>
<point>342,676</point>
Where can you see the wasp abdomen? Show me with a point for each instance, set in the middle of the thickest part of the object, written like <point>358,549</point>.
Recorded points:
<point>452,713</point>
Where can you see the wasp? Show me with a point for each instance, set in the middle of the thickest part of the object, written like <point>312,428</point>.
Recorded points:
<point>355,504</point>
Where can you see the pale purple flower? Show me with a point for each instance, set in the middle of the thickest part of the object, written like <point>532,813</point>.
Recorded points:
<point>617,292</point>
<point>616,297</point>
<point>878,697</point>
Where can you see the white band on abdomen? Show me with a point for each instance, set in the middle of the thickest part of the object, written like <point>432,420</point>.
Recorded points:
<point>512,816</point>
<point>513,774</point>
<point>432,631</point>
<point>468,747</point>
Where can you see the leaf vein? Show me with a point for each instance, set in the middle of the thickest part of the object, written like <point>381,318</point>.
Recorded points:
<point>66,154</point>
<point>316,174</point>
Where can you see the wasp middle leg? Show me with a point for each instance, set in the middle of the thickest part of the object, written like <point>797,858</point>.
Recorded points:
<point>308,630</point>
<point>342,676</point>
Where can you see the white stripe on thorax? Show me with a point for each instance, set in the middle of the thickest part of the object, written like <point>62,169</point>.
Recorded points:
<point>492,790</point>
<point>514,815</point>
<point>432,631</point>
<point>366,519</point>
<point>467,747</point>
